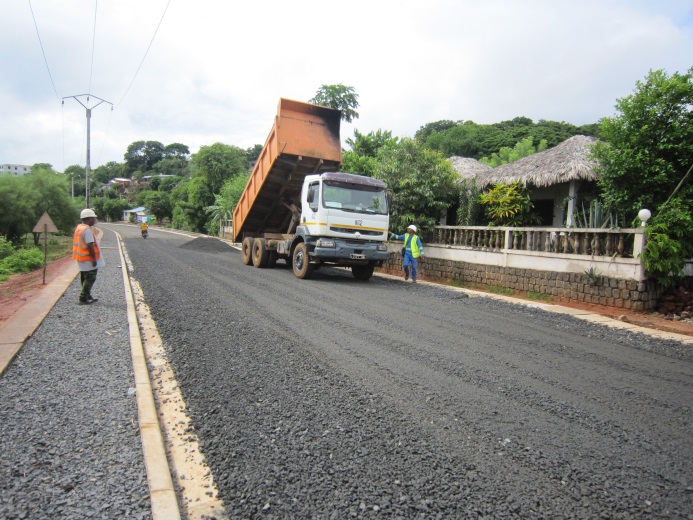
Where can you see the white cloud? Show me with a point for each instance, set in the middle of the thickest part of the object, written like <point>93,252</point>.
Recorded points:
<point>216,70</point>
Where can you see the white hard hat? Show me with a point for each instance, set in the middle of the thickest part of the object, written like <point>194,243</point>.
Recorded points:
<point>86,213</point>
<point>412,227</point>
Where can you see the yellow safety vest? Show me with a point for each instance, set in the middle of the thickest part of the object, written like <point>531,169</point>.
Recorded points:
<point>80,251</point>
<point>413,245</point>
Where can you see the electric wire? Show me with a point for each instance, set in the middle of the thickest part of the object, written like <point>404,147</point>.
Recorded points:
<point>145,54</point>
<point>93,46</point>
<point>43,51</point>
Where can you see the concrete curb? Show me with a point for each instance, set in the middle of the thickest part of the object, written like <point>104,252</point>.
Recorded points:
<point>163,495</point>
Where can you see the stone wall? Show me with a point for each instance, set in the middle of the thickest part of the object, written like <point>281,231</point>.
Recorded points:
<point>613,292</point>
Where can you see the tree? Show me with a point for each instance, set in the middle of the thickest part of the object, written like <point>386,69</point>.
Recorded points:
<point>42,166</point>
<point>507,155</point>
<point>24,199</point>
<point>362,158</point>
<point>113,209</point>
<point>168,183</point>
<point>16,214</point>
<point>339,97</point>
<point>142,156</point>
<point>252,154</point>
<point>175,160</point>
<point>189,200</point>
<point>76,175</point>
<point>644,162</point>
<point>158,203</point>
<point>433,128</point>
<point>176,150</point>
<point>50,193</point>
<point>422,183</point>
<point>218,163</point>
<point>104,173</point>
<point>224,202</point>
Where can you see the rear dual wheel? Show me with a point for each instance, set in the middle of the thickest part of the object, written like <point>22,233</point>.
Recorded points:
<point>247,251</point>
<point>260,253</point>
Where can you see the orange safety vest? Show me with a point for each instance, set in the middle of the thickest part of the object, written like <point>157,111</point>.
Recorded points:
<point>80,251</point>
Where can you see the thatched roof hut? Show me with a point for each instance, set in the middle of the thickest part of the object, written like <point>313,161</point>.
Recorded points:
<point>565,162</point>
<point>468,169</point>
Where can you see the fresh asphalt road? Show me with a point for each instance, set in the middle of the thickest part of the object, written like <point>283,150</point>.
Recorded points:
<point>333,398</point>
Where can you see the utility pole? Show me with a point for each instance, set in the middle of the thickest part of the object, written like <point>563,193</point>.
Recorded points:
<point>88,109</point>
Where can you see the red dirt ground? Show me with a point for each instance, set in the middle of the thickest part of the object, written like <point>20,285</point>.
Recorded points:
<point>18,289</point>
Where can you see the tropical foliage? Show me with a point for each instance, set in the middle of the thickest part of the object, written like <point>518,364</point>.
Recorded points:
<point>508,205</point>
<point>421,181</point>
<point>645,162</point>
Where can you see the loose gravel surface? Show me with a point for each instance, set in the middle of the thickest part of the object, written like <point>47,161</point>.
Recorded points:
<point>332,398</point>
<point>69,438</point>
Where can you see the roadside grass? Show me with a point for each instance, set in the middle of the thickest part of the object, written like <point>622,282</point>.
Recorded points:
<point>496,289</point>
<point>27,257</point>
<point>537,296</point>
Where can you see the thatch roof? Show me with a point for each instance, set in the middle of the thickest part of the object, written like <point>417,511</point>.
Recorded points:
<point>468,168</point>
<point>563,163</point>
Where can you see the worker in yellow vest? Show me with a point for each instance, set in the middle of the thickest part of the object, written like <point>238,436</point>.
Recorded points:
<point>412,251</point>
<point>86,251</point>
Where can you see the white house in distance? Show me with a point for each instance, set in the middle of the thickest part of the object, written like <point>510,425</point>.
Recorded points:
<point>139,214</point>
<point>14,169</point>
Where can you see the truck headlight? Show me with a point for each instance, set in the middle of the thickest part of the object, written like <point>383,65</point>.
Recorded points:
<point>325,242</point>
<point>382,247</point>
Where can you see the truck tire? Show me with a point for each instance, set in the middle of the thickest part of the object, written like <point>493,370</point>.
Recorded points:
<point>247,251</point>
<point>302,267</point>
<point>362,272</point>
<point>260,253</point>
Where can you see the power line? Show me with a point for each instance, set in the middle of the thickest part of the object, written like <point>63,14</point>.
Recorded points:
<point>93,45</point>
<point>145,54</point>
<point>44,52</point>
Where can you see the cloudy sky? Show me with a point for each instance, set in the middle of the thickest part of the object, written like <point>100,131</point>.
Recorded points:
<point>203,71</point>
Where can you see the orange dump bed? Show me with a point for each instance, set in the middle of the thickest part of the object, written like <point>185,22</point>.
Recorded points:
<point>304,140</point>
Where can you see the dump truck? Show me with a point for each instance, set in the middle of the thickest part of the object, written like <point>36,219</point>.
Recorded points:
<point>298,207</point>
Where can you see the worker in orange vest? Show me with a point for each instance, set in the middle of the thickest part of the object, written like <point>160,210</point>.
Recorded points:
<point>88,255</point>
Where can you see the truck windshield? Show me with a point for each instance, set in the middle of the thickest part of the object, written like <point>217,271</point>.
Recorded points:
<point>354,197</point>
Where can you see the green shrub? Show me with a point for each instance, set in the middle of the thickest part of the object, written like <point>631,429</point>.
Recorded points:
<point>22,261</point>
<point>6,248</point>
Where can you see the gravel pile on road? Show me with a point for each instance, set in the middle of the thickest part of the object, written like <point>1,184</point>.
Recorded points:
<point>69,438</point>
<point>331,398</point>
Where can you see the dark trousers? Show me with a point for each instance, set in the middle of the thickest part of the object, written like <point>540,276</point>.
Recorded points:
<point>88,278</point>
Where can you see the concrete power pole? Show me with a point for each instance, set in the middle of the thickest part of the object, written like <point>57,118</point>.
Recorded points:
<point>88,109</point>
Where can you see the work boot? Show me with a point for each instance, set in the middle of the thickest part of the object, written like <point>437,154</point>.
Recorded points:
<point>406,276</point>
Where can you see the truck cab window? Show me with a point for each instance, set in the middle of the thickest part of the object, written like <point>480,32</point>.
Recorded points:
<point>313,196</point>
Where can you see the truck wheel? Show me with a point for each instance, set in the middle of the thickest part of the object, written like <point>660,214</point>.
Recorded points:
<point>302,267</point>
<point>362,272</point>
<point>247,251</point>
<point>260,253</point>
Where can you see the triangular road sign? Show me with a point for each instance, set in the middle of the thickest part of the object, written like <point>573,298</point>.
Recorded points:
<point>45,221</point>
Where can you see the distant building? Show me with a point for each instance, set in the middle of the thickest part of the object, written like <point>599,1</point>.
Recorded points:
<point>138,214</point>
<point>15,169</point>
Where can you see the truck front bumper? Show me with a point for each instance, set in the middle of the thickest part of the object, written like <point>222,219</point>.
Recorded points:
<point>350,252</point>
